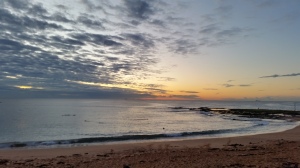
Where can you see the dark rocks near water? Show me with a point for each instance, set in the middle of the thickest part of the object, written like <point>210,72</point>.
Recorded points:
<point>264,113</point>
<point>250,113</point>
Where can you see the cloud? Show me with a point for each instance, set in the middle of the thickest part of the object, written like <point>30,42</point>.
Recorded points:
<point>184,46</point>
<point>112,43</point>
<point>240,85</point>
<point>88,4</point>
<point>209,29</point>
<point>139,39</point>
<point>138,9</point>
<point>192,92</point>
<point>29,24</point>
<point>156,90</point>
<point>37,10</point>
<point>88,22</point>
<point>35,45</point>
<point>6,44</point>
<point>166,79</point>
<point>279,76</point>
<point>245,85</point>
<point>228,85</point>
<point>47,55</point>
<point>62,7</point>
<point>17,4</point>
<point>229,32</point>
<point>60,17</point>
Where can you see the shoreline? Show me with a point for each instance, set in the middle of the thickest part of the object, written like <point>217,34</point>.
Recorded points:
<point>21,151</point>
<point>277,149</point>
<point>52,144</point>
<point>287,115</point>
<point>216,142</point>
<point>264,150</point>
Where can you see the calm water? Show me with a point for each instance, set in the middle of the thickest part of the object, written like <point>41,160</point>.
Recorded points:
<point>43,122</point>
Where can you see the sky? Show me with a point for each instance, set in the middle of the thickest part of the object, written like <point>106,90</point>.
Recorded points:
<point>150,49</point>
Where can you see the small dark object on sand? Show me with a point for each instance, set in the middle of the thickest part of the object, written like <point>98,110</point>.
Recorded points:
<point>3,161</point>
<point>126,166</point>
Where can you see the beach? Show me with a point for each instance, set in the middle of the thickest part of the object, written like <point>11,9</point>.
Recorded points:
<point>281,149</point>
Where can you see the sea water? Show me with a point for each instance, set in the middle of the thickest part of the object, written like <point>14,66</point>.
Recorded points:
<point>48,122</point>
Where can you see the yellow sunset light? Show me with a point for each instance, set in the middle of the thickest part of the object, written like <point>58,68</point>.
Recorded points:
<point>24,87</point>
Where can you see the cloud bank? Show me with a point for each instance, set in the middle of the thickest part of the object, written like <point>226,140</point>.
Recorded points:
<point>279,76</point>
<point>105,48</point>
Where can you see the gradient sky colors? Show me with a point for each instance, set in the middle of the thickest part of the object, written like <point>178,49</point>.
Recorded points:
<point>150,49</point>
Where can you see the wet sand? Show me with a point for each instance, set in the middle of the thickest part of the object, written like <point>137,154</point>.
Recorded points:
<point>280,149</point>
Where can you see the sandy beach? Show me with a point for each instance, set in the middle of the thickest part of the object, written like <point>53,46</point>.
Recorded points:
<point>280,149</point>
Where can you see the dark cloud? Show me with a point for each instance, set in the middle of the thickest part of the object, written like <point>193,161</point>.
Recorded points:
<point>51,61</point>
<point>240,85</point>
<point>97,39</point>
<point>17,4</point>
<point>138,9</point>
<point>24,22</point>
<point>139,40</point>
<point>37,10</point>
<point>67,41</point>
<point>245,85</point>
<point>6,44</point>
<point>154,85</point>
<point>192,92</point>
<point>102,6</point>
<point>278,76</point>
<point>184,46</point>
<point>93,23</point>
<point>228,85</point>
<point>62,7</point>
<point>156,90</point>
<point>60,17</point>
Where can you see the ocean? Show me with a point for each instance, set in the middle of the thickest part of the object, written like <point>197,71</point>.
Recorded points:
<point>71,122</point>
